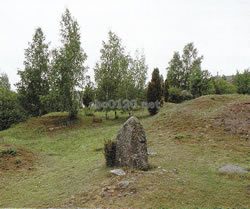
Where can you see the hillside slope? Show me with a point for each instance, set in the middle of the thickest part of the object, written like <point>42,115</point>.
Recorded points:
<point>63,166</point>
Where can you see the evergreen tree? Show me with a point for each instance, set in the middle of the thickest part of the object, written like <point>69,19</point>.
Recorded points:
<point>34,78</point>
<point>154,92</point>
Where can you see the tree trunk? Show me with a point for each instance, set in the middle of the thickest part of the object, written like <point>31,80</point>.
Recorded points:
<point>106,115</point>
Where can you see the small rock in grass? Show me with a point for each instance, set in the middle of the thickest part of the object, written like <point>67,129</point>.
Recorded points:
<point>118,172</point>
<point>151,152</point>
<point>232,169</point>
<point>123,184</point>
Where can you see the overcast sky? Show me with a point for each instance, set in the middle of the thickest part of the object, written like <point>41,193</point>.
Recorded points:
<point>220,29</point>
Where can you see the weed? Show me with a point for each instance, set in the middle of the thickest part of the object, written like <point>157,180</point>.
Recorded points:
<point>110,152</point>
<point>8,151</point>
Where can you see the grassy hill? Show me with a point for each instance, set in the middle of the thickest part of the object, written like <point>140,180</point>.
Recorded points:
<point>50,163</point>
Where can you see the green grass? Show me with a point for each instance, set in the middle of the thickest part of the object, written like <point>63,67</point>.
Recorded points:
<point>69,168</point>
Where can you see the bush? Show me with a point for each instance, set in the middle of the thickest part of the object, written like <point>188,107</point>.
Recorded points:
<point>242,82</point>
<point>177,95</point>
<point>110,152</point>
<point>222,86</point>
<point>10,110</point>
<point>186,95</point>
<point>88,112</point>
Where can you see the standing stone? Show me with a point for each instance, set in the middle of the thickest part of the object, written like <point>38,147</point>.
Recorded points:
<point>131,147</point>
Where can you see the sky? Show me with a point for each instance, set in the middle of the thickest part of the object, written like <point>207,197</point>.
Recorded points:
<point>220,29</point>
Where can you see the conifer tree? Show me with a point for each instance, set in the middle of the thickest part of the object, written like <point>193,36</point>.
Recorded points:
<point>154,92</point>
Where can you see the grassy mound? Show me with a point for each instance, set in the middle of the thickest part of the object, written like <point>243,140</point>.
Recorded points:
<point>188,145</point>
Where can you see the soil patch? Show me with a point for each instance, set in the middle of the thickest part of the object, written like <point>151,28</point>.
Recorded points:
<point>13,158</point>
<point>236,119</point>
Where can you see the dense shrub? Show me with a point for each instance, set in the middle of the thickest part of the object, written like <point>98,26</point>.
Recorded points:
<point>199,82</point>
<point>174,94</point>
<point>186,95</point>
<point>110,152</point>
<point>222,86</point>
<point>10,110</point>
<point>177,95</point>
<point>242,82</point>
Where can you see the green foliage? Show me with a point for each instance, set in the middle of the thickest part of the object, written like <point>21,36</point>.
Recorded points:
<point>186,95</point>
<point>166,90</point>
<point>177,95</point>
<point>4,81</point>
<point>242,82</point>
<point>51,102</point>
<point>34,78</point>
<point>68,67</point>
<point>190,62</point>
<point>110,69</point>
<point>154,92</point>
<point>174,95</point>
<point>9,151</point>
<point>139,70</point>
<point>118,76</point>
<point>184,72</point>
<point>10,110</point>
<point>88,94</point>
<point>89,112</point>
<point>175,71</point>
<point>156,79</point>
<point>222,86</point>
<point>85,163</point>
<point>133,81</point>
<point>199,82</point>
<point>110,152</point>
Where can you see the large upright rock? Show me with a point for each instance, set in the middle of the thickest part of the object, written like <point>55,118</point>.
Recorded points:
<point>131,147</point>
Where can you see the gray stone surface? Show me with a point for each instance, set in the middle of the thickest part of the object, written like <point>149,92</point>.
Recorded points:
<point>231,169</point>
<point>118,172</point>
<point>131,148</point>
<point>123,184</point>
<point>151,152</point>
